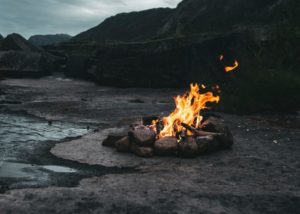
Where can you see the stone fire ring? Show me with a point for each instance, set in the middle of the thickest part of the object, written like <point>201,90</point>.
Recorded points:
<point>142,141</point>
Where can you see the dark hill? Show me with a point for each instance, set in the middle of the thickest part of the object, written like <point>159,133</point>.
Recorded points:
<point>15,42</point>
<point>41,40</point>
<point>194,17</point>
<point>204,16</point>
<point>134,26</point>
<point>19,58</point>
<point>1,39</point>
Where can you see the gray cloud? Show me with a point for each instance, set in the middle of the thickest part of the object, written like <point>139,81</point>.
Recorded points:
<point>29,17</point>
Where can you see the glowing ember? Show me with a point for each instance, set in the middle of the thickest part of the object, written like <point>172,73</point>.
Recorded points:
<point>188,108</point>
<point>229,68</point>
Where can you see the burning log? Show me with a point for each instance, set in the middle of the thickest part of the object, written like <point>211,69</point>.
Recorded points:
<point>187,111</point>
<point>142,135</point>
<point>206,115</point>
<point>214,124</point>
<point>166,146</point>
<point>199,132</point>
<point>123,145</point>
<point>148,120</point>
<point>181,134</point>
<point>188,147</point>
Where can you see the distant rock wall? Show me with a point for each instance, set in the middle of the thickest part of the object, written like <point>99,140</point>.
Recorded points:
<point>128,27</point>
<point>1,39</point>
<point>162,63</point>
<point>41,40</point>
<point>193,17</point>
<point>172,47</point>
<point>15,42</point>
<point>21,64</point>
<point>19,58</point>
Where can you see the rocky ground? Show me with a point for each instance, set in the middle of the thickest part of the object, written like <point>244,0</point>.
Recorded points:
<point>259,175</point>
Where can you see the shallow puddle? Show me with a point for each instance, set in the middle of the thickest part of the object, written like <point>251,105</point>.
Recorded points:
<point>20,137</point>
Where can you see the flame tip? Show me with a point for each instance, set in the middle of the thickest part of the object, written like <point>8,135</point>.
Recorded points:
<point>188,109</point>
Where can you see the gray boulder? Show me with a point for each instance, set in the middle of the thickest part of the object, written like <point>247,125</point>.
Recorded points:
<point>188,148</point>
<point>166,146</point>
<point>123,145</point>
<point>142,136</point>
<point>145,152</point>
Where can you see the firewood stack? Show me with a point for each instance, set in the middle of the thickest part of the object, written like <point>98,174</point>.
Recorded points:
<point>143,141</point>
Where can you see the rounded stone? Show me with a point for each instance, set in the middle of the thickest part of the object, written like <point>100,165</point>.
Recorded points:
<point>188,147</point>
<point>123,144</point>
<point>166,146</point>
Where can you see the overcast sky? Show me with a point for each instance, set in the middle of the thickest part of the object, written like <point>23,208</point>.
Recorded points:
<point>29,17</point>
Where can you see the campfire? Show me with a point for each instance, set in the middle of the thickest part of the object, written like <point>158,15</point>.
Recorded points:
<point>186,132</point>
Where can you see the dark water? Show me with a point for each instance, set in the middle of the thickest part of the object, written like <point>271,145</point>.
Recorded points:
<point>20,136</point>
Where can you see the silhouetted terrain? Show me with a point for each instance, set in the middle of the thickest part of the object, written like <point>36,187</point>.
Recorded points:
<point>19,58</point>
<point>15,42</point>
<point>41,40</point>
<point>134,26</point>
<point>1,39</point>
<point>195,17</point>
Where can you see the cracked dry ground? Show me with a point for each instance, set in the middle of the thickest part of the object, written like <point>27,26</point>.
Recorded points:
<point>259,175</point>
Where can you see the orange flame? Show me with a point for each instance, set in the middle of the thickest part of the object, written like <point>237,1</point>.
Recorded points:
<point>188,108</point>
<point>231,68</point>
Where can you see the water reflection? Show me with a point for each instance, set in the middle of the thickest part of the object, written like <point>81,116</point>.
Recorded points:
<point>19,136</point>
<point>19,133</point>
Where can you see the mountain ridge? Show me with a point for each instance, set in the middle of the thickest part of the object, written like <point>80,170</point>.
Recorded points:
<point>192,17</point>
<point>49,39</point>
<point>16,42</point>
<point>128,27</point>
